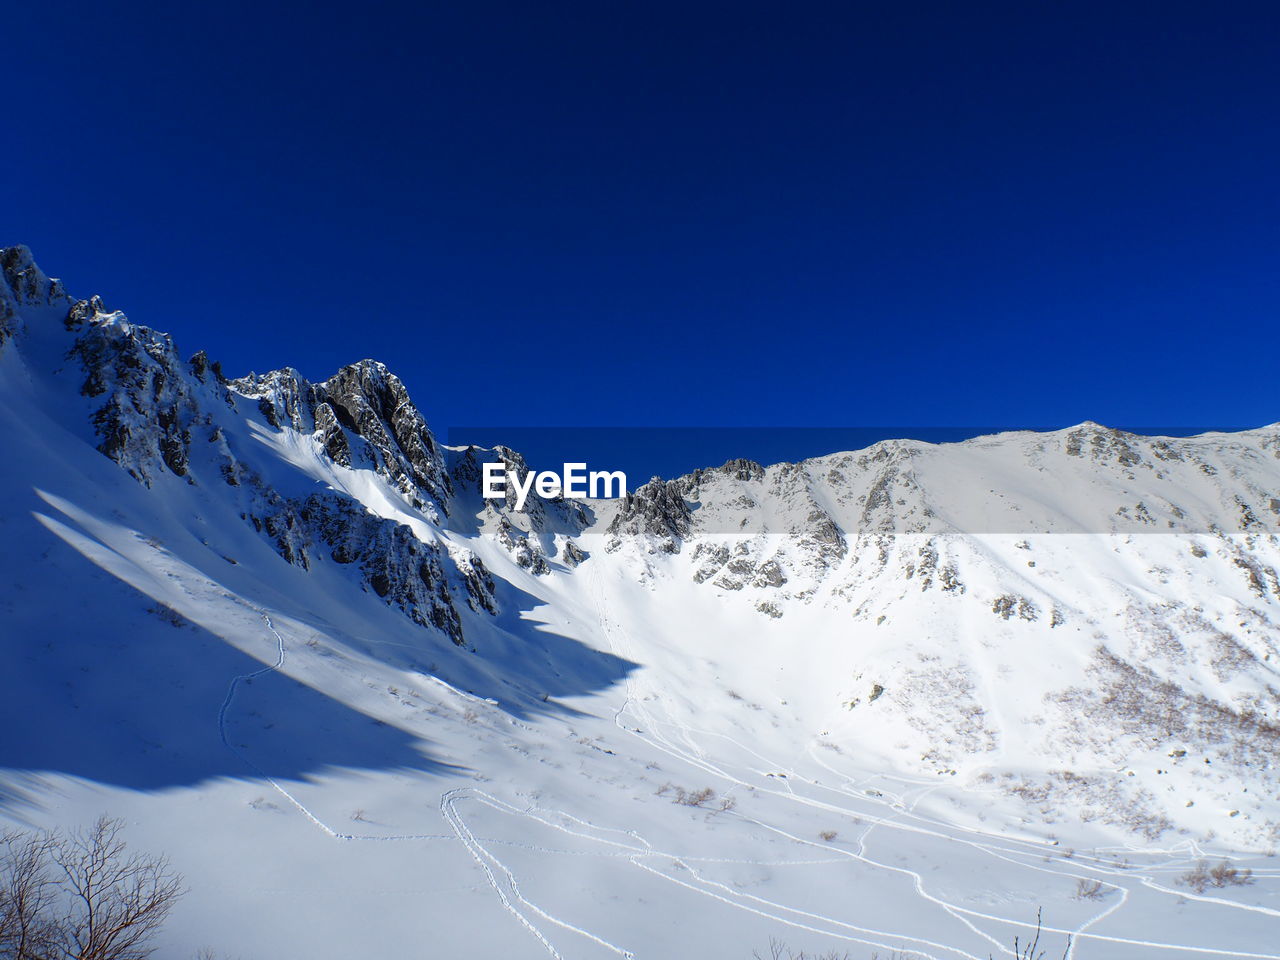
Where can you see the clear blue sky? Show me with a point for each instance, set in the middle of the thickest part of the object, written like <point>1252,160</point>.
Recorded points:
<point>699,214</point>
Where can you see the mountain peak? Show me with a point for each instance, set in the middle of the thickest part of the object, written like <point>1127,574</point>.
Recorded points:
<point>26,282</point>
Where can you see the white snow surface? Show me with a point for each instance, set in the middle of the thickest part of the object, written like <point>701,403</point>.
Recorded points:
<point>911,743</point>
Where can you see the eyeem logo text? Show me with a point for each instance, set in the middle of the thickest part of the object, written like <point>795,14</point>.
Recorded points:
<point>574,483</point>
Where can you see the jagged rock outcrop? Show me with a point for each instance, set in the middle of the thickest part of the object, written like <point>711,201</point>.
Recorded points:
<point>148,410</point>
<point>370,401</point>
<point>362,416</point>
<point>657,509</point>
<point>277,519</point>
<point>737,469</point>
<point>523,548</point>
<point>23,285</point>
<point>479,583</point>
<point>736,567</point>
<point>572,554</point>
<point>394,563</point>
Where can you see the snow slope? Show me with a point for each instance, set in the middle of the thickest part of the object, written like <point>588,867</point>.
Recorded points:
<point>897,698</point>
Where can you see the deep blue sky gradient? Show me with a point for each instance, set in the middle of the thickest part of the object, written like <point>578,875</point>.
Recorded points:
<point>699,214</point>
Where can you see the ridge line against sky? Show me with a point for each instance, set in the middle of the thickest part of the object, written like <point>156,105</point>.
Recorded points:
<point>671,452</point>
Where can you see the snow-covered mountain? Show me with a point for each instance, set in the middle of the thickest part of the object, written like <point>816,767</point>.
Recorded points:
<point>894,698</point>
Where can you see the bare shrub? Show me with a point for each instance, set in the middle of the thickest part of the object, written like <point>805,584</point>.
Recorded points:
<point>827,835</point>
<point>81,895</point>
<point>1200,877</point>
<point>1087,889</point>
<point>695,798</point>
<point>1225,875</point>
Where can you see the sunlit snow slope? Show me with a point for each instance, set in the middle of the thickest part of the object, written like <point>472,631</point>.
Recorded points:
<point>898,698</point>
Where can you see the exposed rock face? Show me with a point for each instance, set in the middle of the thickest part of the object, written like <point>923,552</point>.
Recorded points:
<point>362,416</point>
<point>371,402</point>
<point>736,567</point>
<point>279,522</point>
<point>148,409</point>
<point>738,469</point>
<point>284,398</point>
<point>1104,444</point>
<point>400,568</point>
<point>8,321</point>
<point>23,285</point>
<point>656,509</point>
<point>572,554</point>
<point>332,438</point>
<point>524,548</point>
<point>26,285</point>
<point>478,581</point>
<point>728,500</point>
<point>83,311</point>
<point>152,403</point>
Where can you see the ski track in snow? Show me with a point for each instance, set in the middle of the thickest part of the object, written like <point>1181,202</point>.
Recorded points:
<point>486,860</point>
<point>683,746</point>
<point>222,724</point>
